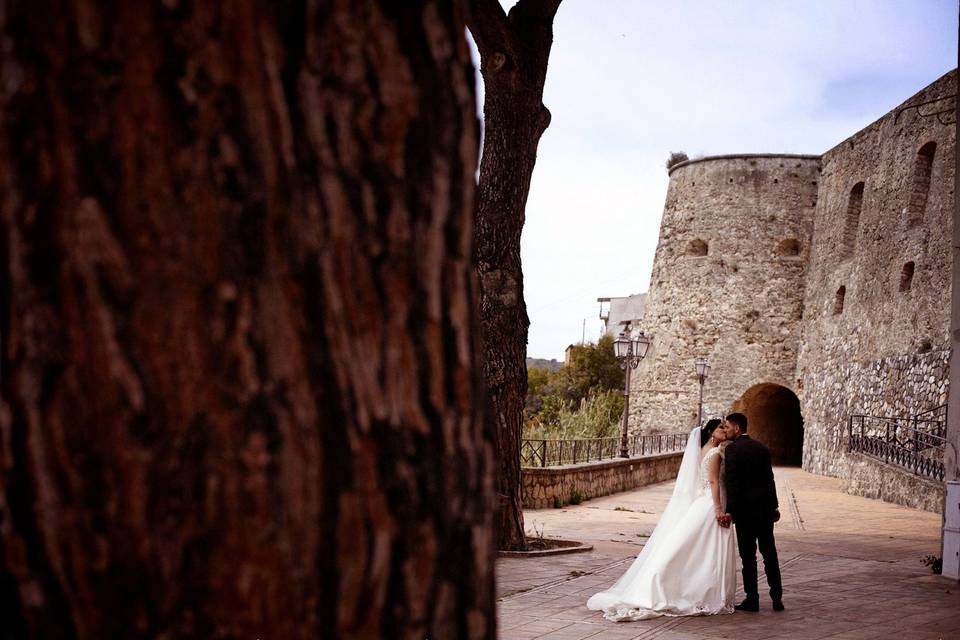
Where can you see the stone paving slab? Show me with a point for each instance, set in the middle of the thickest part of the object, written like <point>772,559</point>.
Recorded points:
<point>517,575</point>
<point>851,569</point>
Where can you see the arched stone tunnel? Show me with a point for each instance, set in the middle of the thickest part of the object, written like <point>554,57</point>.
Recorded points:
<point>773,418</point>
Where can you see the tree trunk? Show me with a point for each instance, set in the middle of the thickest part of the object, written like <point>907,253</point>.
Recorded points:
<point>514,51</point>
<point>238,392</point>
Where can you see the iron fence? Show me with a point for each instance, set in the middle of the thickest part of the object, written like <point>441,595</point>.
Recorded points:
<point>915,444</point>
<point>933,420</point>
<point>549,453</point>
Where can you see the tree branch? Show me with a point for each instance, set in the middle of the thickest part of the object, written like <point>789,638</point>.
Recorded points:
<point>488,25</point>
<point>540,10</point>
<point>530,24</point>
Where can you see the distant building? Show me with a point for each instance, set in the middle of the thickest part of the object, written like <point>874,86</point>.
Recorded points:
<point>617,312</point>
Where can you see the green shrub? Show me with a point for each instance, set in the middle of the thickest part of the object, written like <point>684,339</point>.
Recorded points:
<point>583,399</point>
<point>675,158</point>
<point>576,497</point>
<point>598,416</point>
<point>934,562</point>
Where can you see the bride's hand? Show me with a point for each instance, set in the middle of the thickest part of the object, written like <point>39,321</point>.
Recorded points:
<point>721,518</point>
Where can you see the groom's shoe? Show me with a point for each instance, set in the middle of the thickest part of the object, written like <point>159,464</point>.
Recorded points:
<point>778,605</point>
<point>748,605</point>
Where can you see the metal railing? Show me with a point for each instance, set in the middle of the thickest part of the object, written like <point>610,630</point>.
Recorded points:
<point>915,444</point>
<point>932,420</point>
<point>549,453</point>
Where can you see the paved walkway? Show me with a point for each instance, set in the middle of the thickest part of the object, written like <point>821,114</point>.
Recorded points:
<point>852,569</point>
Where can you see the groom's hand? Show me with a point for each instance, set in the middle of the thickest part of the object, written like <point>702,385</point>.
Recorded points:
<point>776,515</point>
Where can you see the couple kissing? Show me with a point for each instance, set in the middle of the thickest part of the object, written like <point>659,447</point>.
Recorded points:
<point>724,499</point>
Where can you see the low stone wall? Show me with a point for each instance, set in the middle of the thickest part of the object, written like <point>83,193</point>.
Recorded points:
<point>545,487</point>
<point>873,479</point>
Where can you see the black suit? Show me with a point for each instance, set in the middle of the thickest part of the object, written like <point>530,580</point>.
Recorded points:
<point>752,501</point>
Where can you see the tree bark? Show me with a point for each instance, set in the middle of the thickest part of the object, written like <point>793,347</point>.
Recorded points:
<point>514,52</point>
<point>239,393</point>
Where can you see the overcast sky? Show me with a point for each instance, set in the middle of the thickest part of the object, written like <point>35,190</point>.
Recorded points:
<point>631,80</point>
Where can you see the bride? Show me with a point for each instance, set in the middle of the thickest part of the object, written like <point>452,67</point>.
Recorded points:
<point>687,567</point>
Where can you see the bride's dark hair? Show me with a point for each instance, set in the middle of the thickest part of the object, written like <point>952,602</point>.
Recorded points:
<point>708,430</point>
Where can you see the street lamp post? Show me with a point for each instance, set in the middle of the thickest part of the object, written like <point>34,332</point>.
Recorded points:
<point>703,369</point>
<point>629,351</point>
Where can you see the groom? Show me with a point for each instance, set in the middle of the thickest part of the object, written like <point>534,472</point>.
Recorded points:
<point>752,505</point>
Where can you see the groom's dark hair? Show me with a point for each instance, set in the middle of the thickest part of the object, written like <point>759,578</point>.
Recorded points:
<point>738,419</point>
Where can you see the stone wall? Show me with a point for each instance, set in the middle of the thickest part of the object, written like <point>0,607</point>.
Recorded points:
<point>727,284</point>
<point>545,487</point>
<point>899,385</point>
<point>874,336</point>
<point>817,286</point>
<point>871,478</point>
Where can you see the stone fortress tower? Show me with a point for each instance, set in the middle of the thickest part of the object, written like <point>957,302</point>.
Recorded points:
<point>727,283</point>
<point>816,286</point>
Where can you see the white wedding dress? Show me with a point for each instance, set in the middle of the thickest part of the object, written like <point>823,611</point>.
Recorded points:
<point>688,566</point>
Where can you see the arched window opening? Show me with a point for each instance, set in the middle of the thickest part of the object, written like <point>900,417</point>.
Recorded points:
<point>697,247</point>
<point>906,277</point>
<point>838,301</point>
<point>852,221</point>
<point>788,247</point>
<point>920,189</point>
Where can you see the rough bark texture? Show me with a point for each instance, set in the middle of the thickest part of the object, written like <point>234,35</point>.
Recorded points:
<point>514,51</point>
<point>238,393</point>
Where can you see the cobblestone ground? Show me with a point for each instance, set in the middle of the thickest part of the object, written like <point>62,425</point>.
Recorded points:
<point>852,569</point>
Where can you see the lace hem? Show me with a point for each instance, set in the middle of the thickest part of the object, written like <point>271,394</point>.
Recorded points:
<point>632,614</point>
